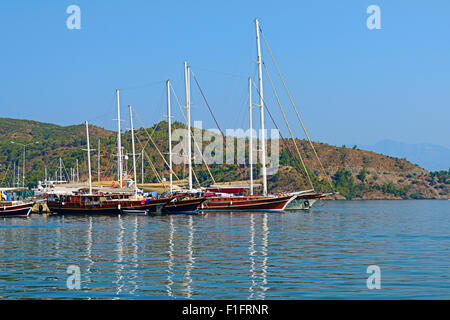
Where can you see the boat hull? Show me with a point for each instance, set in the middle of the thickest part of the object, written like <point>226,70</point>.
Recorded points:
<point>108,207</point>
<point>246,203</point>
<point>304,204</point>
<point>304,201</point>
<point>20,210</point>
<point>183,206</point>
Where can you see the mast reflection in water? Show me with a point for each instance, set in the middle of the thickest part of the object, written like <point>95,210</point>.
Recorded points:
<point>294,255</point>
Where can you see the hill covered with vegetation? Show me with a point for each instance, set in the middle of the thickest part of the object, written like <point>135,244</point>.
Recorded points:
<point>354,173</point>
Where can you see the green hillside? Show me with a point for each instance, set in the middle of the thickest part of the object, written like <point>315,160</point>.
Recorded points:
<point>356,174</point>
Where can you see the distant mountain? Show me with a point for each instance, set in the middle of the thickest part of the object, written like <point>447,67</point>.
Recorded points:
<point>429,156</point>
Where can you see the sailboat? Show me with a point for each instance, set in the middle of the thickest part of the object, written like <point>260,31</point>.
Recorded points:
<point>104,202</point>
<point>304,199</point>
<point>228,201</point>
<point>225,199</point>
<point>184,202</point>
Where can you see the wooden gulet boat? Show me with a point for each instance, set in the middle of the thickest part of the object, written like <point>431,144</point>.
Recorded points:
<point>308,197</point>
<point>100,203</point>
<point>247,203</point>
<point>103,204</point>
<point>264,202</point>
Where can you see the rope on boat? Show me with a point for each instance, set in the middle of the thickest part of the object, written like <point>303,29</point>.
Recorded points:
<point>151,139</point>
<point>212,114</point>
<point>289,128</point>
<point>281,135</point>
<point>150,162</point>
<point>193,136</point>
<point>298,116</point>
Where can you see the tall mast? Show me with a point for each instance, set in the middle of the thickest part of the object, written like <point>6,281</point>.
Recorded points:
<point>119,143</point>
<point>45,174</point>
<point>89,157</point>
<point>188,119</point>
<point>250,141</point>
<point>60,169</point>
<point>261,104</point>
<point>14,175</point>
<point>142,167</point>
<point>98,160</point>
<point>134,151</point>
<point>169,117</point>
<point>78,173</point>
<point>23,169</point>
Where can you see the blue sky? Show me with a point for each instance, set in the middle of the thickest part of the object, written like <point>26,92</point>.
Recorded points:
<point>352,85</point>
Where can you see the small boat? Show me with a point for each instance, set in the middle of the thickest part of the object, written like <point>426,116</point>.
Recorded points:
<point>15,208</point>
<point>135,212</point>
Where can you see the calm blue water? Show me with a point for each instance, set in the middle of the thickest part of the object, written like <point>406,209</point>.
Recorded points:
<point>321,254</point>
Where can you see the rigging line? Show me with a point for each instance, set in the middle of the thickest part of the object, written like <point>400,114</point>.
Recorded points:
<point>193,136</point>
<point>151,164</point>
<point>65,169</point>
<point>223,178</point>
<point>289,128</point>
<point>5,175</point>
<point>298,116</point>
<point>178,101</point>
<point>150,137</point>
<point>281,135</point>
<point>195,176</point>
<point>223,136</point>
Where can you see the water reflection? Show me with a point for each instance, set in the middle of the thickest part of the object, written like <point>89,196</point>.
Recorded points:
<point>170,259</point>
<point>89,251</point>
<point>119,260</point>
<point>265,243</point>
<point>232,256</point>
<point>190,259</point>
<point>135,256</point>
<point>252,252</point>
<point>258,279</point>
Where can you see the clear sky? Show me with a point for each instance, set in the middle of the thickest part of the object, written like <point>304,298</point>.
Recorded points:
<point>351,84</point>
